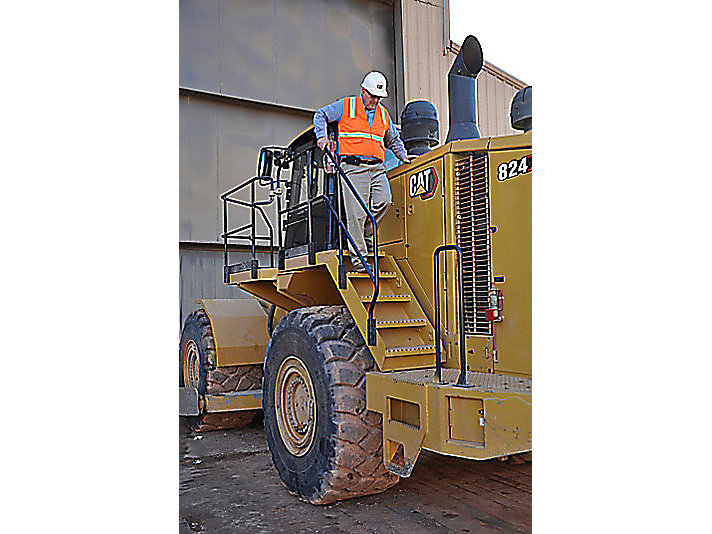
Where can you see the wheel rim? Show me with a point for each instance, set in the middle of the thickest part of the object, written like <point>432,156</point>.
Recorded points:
<point>191,365</point>
<point>295,406</point>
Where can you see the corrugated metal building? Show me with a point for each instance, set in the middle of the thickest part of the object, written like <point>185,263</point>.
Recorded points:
<point>252,73</point>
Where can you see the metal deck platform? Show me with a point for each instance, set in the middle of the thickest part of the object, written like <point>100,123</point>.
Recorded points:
<point>478,381</point>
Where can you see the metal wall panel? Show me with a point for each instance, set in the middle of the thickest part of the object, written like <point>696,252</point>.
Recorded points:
<point>424,62</point>
<point>201,277</point>
<point>248,59</point>
<point>303,54</point>
<point>495,90</point>
<point>360,38</point>
<point>219,145</point>
<point>199,65</point>
<point>198,170</point>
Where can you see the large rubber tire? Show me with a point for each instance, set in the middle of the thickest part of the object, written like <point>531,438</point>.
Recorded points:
<point>345,458</point>
<point>198,333</point>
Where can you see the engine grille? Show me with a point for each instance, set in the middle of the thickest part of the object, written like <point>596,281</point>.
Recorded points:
<point>473,237</point>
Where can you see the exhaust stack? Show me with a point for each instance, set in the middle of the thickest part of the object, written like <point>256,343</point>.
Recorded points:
<point>461,87</point>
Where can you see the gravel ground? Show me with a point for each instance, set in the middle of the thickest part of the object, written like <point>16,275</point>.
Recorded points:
<point>228,484</point>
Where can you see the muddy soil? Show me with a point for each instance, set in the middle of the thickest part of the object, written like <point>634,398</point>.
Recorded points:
<point>228,485</point>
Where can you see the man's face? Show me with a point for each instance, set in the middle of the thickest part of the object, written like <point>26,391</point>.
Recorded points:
<point>369,100</point>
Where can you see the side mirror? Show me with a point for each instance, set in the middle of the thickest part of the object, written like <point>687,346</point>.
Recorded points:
<point>264,167</point>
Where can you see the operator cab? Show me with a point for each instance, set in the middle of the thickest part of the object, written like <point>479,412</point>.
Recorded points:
<point>302,185</point>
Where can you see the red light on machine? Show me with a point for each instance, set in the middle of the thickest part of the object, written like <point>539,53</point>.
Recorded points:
<point>490,314</point>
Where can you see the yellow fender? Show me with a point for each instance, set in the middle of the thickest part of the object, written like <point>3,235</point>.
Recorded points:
<point>240,330</point>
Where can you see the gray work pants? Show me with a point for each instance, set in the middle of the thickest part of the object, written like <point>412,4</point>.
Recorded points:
<point>372,184</point>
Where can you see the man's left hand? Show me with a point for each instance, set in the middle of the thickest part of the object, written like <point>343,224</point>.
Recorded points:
<point>407,159</point>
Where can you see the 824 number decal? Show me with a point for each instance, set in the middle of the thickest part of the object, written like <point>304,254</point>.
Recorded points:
<point>514,168</point>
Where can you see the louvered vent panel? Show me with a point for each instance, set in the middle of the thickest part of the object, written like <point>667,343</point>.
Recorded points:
<point>472,227</point>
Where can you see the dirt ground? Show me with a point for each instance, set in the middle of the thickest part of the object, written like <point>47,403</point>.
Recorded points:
<point>228,484</point>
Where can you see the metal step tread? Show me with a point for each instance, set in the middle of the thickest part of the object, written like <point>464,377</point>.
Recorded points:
<point>382,274</point>
<point>398,323</point>
<point>386,298</point>
<point>410,349</point>
<point>381,254</point>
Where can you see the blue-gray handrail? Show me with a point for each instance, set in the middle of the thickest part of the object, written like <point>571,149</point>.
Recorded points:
<point>462,379</point>
<point>371,327</point>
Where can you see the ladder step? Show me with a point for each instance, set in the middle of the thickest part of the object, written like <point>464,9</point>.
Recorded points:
<point>399,323</point>
<point>383,274</point>
<point>386,298</point>
<point>381,254</point>
<point>410,350</point>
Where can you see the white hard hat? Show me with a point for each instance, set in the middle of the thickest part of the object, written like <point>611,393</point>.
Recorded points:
<point>375,83</point>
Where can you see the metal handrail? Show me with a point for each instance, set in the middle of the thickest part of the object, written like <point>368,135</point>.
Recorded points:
<point>243,184</point>
<point>255,206</point>
<point>270,238</point>
<point>371,329</point>
<point>462,379</point>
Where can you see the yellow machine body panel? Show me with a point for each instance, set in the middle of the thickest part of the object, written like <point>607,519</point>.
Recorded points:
<point>419,209</point>
<point>511,214</point>
<point>240,330</point>
<point>425,214</point>
<point>489,418</point>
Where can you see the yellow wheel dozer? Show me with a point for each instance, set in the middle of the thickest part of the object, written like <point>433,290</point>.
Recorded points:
<point>357,372</point>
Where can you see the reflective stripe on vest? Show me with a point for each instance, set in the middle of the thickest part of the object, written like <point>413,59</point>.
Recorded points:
<point>356,137</point>
<point>345,135</point>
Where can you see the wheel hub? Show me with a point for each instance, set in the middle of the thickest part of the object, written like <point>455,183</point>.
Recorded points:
<point>191,365</point>
<point>295,406</point>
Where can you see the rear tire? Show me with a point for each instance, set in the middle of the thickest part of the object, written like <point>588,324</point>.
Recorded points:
<point>325,444</point>
<point>198,368</point>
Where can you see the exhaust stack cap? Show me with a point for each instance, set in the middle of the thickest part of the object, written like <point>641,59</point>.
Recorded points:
<point>419,127</point>
<point>521,110</point>
<point>469,59</point>
<point>462,90</point>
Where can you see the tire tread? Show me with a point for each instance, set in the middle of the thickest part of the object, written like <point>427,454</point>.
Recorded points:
<point>220,380</point>
<point>356,468</point>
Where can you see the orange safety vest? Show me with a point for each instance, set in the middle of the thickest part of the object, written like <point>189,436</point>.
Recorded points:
<point>356,137</point>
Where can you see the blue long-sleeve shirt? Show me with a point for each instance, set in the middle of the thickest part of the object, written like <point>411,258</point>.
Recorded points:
<point>332,112</point>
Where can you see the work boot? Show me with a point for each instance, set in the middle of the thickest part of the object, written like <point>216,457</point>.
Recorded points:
<point>369,244</point>
<point>357,266</point>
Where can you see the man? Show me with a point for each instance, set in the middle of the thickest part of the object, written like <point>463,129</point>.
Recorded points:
<point>365,129</point>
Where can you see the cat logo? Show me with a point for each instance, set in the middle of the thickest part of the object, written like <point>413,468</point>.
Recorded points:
<point>423,183</point>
